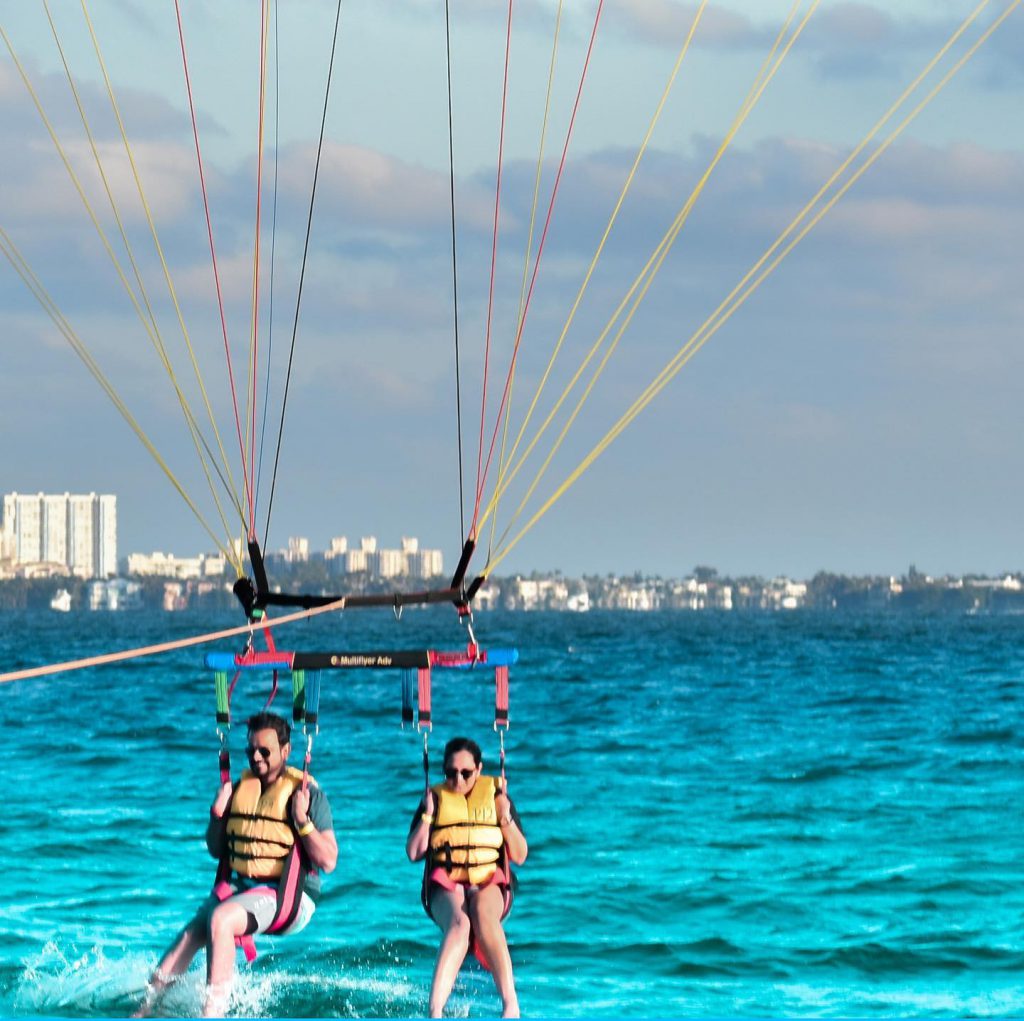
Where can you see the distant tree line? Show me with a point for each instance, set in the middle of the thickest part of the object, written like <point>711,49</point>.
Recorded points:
<point>826,591</point>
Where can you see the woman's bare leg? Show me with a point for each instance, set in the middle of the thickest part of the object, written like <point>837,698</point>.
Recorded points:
<point>485,908</point>
<point>448,909</point>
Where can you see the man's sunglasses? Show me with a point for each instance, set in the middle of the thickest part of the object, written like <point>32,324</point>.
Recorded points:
<point>253,750</point>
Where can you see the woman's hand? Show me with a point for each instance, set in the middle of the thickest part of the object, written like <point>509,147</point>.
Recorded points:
<point>419,836</point>
<point>502,805</point>
<point>515,842</point>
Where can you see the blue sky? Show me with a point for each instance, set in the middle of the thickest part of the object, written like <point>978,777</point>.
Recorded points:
<point>858,413</point>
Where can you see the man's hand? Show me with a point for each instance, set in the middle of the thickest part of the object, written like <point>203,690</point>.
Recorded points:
<point>300,807</point>
<point>223,799</point>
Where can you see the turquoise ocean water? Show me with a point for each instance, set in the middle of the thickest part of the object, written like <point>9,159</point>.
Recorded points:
<point>728,815</point>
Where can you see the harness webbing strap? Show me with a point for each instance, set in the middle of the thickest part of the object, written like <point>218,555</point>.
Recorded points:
<point>223,720</point>
<point>224,762</point>
<point>423,698</point>
<point>312,706</point>
<point>310,725</point>
<point>223,705</point>
<point>298,695</point>
<point>407,716</point>
<point>501,697</point>
<point>426,765</point>
<point>273,692</point>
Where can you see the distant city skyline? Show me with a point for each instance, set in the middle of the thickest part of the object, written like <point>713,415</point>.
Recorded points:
<point>60,531</point>
<point>202,562</point>
<point>860,412</point>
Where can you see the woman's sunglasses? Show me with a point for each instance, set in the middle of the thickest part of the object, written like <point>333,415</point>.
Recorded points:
<point>451,774</point>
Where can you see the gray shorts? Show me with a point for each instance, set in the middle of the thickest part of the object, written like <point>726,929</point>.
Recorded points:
<point>261,903</point>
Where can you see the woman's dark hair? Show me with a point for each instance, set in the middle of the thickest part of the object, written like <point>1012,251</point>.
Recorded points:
<point>271,721</point>
<point>462,744</point>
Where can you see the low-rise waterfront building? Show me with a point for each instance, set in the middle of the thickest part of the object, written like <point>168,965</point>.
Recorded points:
<point>167,565</point>
<point>114,594</point>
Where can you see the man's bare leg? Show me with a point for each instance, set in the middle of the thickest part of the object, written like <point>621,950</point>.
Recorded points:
<point>173,964</point>
<point>227,921</point>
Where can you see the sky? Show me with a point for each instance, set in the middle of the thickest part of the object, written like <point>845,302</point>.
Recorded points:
<point>859,412</point>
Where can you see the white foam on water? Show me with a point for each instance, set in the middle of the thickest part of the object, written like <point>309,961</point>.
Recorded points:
<point>256,992</point>
<point>66,977</point>
<point>806,999</point>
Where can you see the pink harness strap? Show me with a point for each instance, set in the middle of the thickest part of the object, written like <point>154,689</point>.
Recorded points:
<point>222,891</point>
<point>439,876</point>
<point>499,878</point>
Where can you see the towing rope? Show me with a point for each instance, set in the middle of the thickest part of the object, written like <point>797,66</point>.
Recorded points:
<point>180,643</point>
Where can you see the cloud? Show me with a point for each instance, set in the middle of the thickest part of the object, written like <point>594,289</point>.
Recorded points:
<point>851,40</point>
<point>903,300</point>
<point>666,22</point>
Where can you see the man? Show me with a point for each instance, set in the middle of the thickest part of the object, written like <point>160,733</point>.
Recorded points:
<point>263,829</point>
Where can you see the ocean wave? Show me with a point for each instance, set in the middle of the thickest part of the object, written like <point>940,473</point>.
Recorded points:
<point>874,958</point>
<point>984,736</point>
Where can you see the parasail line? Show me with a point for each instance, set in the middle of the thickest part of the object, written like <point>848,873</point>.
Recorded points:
<point>273,251</point>
<point>540,252</point>
<point>455,272</point>
<point>678,361</point>
<point>645,278</point>
<point>490,287</point>
<point>501,483</point>
<point>254,331</point>
<point>39,292</point>
<point>152,226</point>
<point>150,327</point>
<point>209,234</point>
<point>520,315</point>
<point>302,269</point>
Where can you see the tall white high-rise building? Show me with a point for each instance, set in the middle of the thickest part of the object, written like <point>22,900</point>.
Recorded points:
<point>61,531</point>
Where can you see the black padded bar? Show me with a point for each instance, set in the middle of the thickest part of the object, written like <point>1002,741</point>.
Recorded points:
<point>474,587</point>
<point>460,572</point>
<point>407,658</point>
<point>259,571</point>
<point>396,599</point>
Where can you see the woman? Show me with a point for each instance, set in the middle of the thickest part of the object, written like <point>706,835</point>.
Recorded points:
<point>468,831</point>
